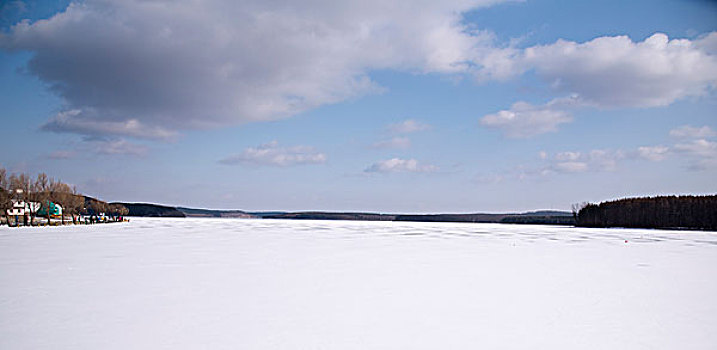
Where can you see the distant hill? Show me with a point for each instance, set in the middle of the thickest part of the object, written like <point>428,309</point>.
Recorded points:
<point>452,217</point>
<point>538,217</point>
<point>263,214</point>
<point>152,210</point>
<point>533,218</point>
<point>546,213</point>
<point>318,215</point>
<point>209,213</point>
<point>551,217</point>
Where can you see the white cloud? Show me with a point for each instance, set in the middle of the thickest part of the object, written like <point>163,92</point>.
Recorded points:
<point>525,120</point>
<point>695,146</point>
<point>614,72</point>
<point>146,69</point>
<point>708,43</point>
<point>653,153</point>
<point>400,165</point>
<point>85,123</point>
<point>702,148</point>
<point>699,153</point>
<point>577,162</point>
<point>185,64</point>
<point>691,132</point>
<point>272,154</point>
<point>115,147</point>
<point>408,126</point>
<point>567,156</point>
<point>702,154</point>
<point>394,142</point>
<point>606,72</point>
<point>570,167</point>
<point>605,160</point>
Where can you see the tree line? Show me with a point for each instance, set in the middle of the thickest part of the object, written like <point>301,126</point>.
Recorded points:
<point>673,212</point>
<point>45,190</point>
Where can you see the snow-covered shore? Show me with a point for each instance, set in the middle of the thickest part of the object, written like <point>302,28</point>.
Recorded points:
<point>280,284</point>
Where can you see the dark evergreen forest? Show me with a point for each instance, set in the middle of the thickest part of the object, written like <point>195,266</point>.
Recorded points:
<point>673,212</point>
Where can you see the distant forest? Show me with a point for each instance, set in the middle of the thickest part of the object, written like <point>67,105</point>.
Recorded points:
<point>668,212</point>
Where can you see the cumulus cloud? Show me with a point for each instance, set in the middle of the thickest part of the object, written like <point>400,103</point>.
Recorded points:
<point>148,69</point>
<point>396,165</point>
<point>525,120</point>
<point>699,154</point>
<point>408,126</point>
<point>186,64</point>
<point>614,71</point>
<point>577,162</point>
<point>606,72</point>
<point>694,146</point>
<point>394,142</point>
<point>691,132</point>
<point>570,167</point>
<point>708,43</point>
<point>653,153</point>
<point>274,155</point>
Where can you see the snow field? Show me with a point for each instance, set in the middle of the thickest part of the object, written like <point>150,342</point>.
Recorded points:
<point>278,284</point>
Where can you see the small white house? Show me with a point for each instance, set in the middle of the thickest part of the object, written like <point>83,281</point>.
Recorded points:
<point>20,208</point>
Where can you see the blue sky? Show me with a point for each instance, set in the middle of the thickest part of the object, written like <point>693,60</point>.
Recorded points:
<point>412,106</point>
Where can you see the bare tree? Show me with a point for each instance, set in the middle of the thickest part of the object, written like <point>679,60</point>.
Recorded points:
<point>76,204</point>
<point>61,194</point>
<point>4,195</point>
<point>118,210</point>
<point>123,210</point>
<point>104,208</point>
<point>42,190</point>
<point>20,190</point>
<point>114,211</point>
<point>26,186</point>
<point>95,207</point>
<point>576,207</point>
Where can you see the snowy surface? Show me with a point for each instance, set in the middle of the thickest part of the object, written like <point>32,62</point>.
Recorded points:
<point>273,284</point>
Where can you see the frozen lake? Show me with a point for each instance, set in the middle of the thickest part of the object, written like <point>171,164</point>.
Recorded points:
<point>273,284</point>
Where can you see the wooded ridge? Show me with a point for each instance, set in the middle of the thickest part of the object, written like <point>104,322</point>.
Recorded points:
<point>667,212</point>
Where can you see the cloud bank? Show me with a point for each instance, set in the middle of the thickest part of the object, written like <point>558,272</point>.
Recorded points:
<point>149,68</point>
<point>614,71</point>
<point>694,146</point>
<point>606,72</point>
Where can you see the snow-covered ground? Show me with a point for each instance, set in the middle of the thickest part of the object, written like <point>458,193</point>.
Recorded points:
<point>273,284</point>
